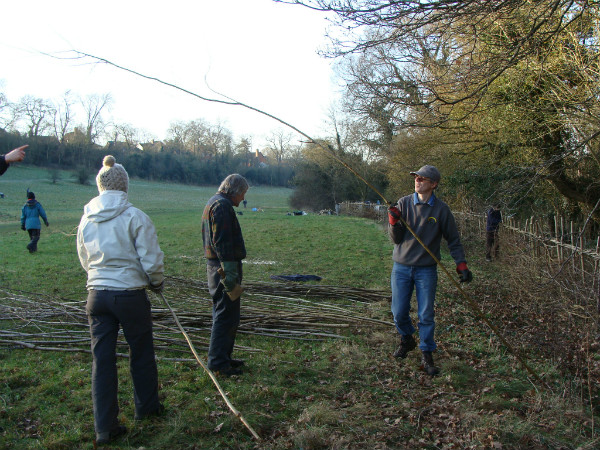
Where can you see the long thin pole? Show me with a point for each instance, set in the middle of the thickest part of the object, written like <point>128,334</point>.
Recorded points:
<point>475,307</point>
<point>329,150</point>
<point>210,373</point>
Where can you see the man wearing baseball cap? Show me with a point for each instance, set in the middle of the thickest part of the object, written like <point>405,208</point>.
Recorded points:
<point>414,268</point>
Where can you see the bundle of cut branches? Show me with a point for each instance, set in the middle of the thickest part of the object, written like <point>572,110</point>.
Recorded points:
<point>314,291</point>
<point>273,310</point>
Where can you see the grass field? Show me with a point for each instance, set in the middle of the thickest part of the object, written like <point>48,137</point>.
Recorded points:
<point>277,242</point>
<point>334,393</point>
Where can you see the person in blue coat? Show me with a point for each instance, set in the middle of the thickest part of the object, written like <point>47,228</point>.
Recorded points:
<point>30,220</point>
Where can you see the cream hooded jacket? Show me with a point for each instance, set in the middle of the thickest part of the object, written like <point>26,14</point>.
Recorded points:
<point>117,245</point>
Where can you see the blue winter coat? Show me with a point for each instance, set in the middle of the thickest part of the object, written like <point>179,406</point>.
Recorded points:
<point>30,215</point>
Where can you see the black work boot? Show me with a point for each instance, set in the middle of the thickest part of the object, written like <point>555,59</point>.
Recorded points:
<point>228,371</point>
<point>428,365</point>
<point>159,411</point>
<point>108,436</point>
<point>235,363</point>
<point>407,343</point>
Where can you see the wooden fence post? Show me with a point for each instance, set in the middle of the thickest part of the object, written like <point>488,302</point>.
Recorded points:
<point>598,305</point>
<point>582,262</point>
<point>562,234</point>
<point>597,254</point>
<point>556,237</point>
<point>573,244</point>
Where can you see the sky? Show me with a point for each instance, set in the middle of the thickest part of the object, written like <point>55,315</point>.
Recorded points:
<point>258,52</point>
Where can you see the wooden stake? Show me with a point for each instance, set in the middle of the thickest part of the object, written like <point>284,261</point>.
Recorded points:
<point>562,234</point>
<point>573,244</point>
<point>210,373</point>
<point>556,236</point>
<point>581,259</point>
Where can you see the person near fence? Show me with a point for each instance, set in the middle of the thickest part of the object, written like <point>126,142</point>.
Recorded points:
<point>118,248</point>
<point>30,220</point>
<point>224,250</point>
<point>15,155</point>
<point>492,243</point>
<point>414,268</point>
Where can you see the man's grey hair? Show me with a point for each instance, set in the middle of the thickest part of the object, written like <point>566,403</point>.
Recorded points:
<point>234,184</point>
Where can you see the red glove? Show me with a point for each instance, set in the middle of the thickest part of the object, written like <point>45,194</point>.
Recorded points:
<point>465,274</point>
<point>393,215</point>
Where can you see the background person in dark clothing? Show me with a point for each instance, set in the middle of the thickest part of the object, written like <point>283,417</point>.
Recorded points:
<point>224,250</point>
<point>30,220</point>
<point>492,244</point>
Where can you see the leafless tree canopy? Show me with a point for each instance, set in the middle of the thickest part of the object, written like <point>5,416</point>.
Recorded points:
<point>504,82</point>
<point>93,106</point>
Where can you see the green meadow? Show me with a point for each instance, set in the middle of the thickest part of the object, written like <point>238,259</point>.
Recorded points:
<point>333,393</point>
<point>331,247</point>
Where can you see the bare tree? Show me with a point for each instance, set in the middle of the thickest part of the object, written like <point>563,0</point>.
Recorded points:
<point>219,139</point>
<point>202,138</point>
<point>3,104</point>
<point>280,145</point>
<point>514,80</point>
<point>196,137</point>
<point>37,114</point>
<point>93,106</point>
<point>431,57</point>
<point>177,134</point>
<point>125,133</point>
<point>63,116</point>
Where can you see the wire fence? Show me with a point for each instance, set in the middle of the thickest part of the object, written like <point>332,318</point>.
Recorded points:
<point>558,240</point>
<point>565,257</point>
<point>567,253</point>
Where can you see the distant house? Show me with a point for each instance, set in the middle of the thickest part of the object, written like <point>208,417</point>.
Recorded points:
<point>117,145</point>
<point>75,137</point>
<point>260,160</point>
<point>154,146</point>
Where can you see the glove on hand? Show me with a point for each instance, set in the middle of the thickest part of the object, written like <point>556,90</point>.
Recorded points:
<point>465,274</point>
<point>231,274</point>
<point>158,288</point>
<point>47,224</point>
<point>23,228</point>
<point>393,215</point>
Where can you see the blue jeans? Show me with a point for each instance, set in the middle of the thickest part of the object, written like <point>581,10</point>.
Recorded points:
<point>404,280</point>
<point>106,311</point>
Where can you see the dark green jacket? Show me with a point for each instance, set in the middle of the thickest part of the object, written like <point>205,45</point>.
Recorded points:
<point>221,231</point>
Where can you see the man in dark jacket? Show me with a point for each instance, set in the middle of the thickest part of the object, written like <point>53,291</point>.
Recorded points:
<point>224,250</point>
<point>492,244</point>
<point>30,220</point>
<point>414,268</point>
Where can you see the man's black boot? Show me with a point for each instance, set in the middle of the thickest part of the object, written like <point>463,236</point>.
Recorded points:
<point>428,365</point>
<point>235,363</point>
<point>228,371</point>
<point>108,436</point>
<point>407,343</point>
<point>159,411</point>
